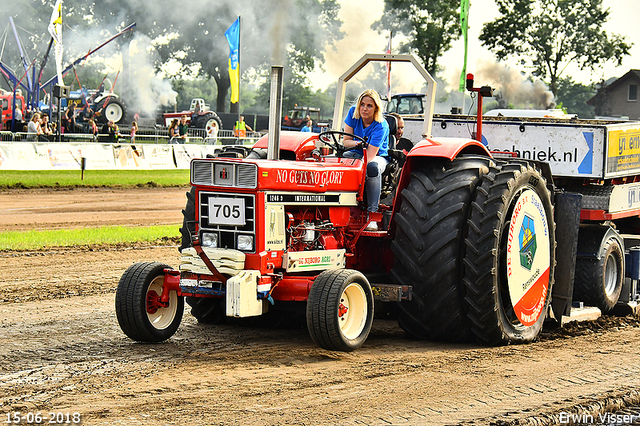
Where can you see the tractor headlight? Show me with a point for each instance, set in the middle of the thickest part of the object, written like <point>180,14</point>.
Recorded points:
<point>245,242</point>
<point>209,239</point>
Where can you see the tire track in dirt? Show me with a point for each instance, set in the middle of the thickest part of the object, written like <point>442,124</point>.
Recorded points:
<point>61,350</point>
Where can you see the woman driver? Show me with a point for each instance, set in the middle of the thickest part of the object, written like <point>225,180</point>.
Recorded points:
<point>365,119</point>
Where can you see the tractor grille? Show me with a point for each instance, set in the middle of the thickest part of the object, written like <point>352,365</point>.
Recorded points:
<point>227,174</point>
<point>215,207</point>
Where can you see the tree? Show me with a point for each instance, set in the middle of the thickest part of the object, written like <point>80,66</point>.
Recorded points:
<point>553,34</point>
<point>602,100</point>
<point>429,25</point>
<point>195,39</point>
<point>574,96</point>
<point>192,38</point>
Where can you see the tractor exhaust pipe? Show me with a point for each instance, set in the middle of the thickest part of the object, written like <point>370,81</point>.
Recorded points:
<point>275,112</point>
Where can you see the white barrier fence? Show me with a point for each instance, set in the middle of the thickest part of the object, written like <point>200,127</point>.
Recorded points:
<point>145,153</point>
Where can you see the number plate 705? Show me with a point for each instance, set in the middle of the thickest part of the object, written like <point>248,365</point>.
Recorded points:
<point>226,211</point>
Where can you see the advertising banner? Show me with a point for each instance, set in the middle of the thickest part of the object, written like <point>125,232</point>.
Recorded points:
<point>98,156</point>
<point>185,153</point>
<point>158,156</point>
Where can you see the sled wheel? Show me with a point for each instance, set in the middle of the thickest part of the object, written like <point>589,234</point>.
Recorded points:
<point>208,310</point>
<point>428,246</point>
<point>139,315</point>
<point>510,255</point>
<point>340,310</point>
<point>188,220</point>
<point>599,282</point>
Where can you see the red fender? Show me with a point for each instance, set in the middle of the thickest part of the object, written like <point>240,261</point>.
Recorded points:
<point>448,148</point>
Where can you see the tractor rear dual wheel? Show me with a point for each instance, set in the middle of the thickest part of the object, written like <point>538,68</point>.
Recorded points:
<point>475,238</point>
<point>428,247</point>
<point>510,255</point>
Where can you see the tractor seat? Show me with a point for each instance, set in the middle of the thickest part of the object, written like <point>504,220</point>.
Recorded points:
<point>393,129</point>
<point>395,154</point>
<point>392,171</point>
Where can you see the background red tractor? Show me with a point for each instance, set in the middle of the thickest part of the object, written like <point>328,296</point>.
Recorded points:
<point>6,108</point>
<point>199,116</point>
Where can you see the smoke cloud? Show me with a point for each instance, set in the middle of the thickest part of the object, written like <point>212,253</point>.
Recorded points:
<point>279,33</point>
<point>512,88</point>
<point>143,89</point>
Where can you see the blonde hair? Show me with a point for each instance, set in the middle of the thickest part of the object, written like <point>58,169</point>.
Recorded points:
<point>377,116</point>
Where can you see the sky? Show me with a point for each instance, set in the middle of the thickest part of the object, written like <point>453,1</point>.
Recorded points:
<point>360,38</point>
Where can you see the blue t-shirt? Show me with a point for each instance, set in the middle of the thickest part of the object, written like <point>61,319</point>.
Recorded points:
<point>306,129</point>
<point>377,133</point>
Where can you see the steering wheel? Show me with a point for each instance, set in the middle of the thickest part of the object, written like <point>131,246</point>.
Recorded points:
<point>331,138</point>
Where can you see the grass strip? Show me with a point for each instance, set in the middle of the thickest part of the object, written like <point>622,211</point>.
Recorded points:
<point>25,179</point>
<point>104,235</point>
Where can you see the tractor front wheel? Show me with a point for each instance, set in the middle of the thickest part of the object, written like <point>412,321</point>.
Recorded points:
<point>340,310</point>
<point>139,313</point>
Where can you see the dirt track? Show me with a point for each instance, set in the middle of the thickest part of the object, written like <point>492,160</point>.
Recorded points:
<point>61,350</point>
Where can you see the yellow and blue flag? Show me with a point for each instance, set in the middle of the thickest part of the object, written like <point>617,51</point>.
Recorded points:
<point>233,37</point>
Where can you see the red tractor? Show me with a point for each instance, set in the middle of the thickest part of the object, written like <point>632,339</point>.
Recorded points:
<point>199,116</point>
<point>466,251</point>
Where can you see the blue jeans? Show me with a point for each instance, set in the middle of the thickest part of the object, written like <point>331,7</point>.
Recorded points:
<point>373,182</point>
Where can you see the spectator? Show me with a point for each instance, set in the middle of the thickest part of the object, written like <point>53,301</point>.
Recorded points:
<point>87,114</point>
<point>173,131</point>
<point>46,128</point>
<point>308,127</point>
<point>70,116</point>
<point>18,120</point>
<point>111,130</point>
<point>92,128</point>
<point>134,129</point>
<point>240,129</point>
<point>183,129</point>
<point>402,143</point>
<point>33,128</point>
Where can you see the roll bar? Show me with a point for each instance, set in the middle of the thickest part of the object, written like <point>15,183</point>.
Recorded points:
<point>338,110</point>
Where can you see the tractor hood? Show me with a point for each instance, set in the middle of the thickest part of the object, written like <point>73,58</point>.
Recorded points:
<point>330,175</point>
